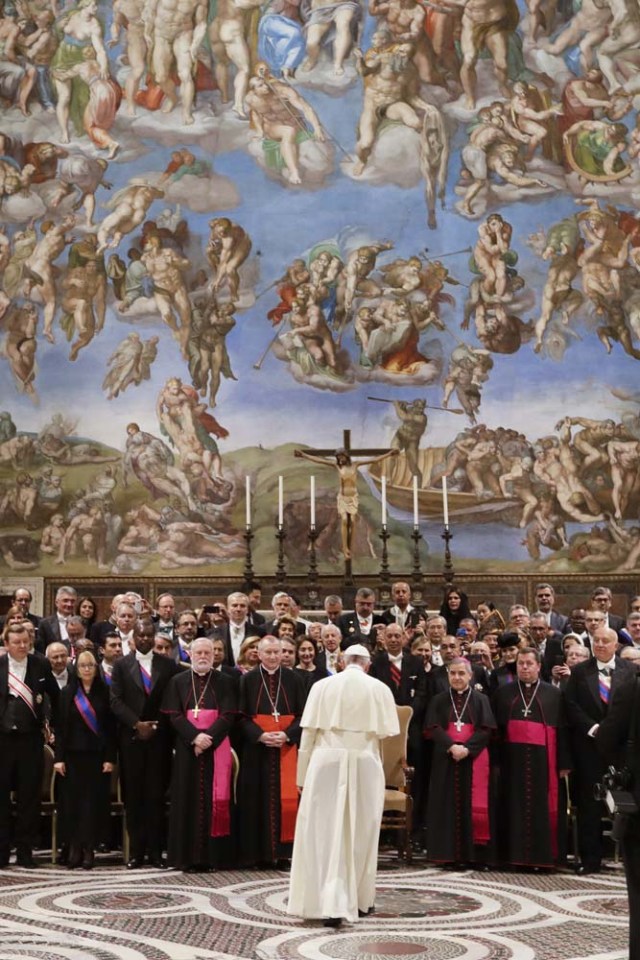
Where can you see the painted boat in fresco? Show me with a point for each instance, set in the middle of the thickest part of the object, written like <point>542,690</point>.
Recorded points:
<point>462,506</point>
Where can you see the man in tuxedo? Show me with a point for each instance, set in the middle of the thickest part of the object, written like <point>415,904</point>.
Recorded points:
<point>396,667</point>
<point>54,628</point>
<point>281,606</point>
<point>111,650</point>
<point>589,689</point>
<point>621,724</point>
<point>253,591</point>
<point>25,679</point>
<point>138,682</point>
<point>593,620</point>
<point>602,599</point>
<point>357,627</point>
<point>332,608</point>
<point>58,657</point>
<point>239,627</point>
<point>402,612</point>
<point>165,617</point>
<point>545,600</point>
<point>22,598</point>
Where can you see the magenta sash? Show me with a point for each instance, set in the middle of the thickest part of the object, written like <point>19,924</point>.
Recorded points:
<point>481,831</point>
<point>86,711</point>
<point>221,787</point>
<point>540,735</point>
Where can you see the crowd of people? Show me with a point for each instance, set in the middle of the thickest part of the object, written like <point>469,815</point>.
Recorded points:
<point>506,707</point>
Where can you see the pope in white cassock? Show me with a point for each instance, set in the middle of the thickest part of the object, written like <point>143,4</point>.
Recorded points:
<point>335,851</point>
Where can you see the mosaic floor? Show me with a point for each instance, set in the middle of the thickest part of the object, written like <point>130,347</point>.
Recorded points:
<point>421,913</point>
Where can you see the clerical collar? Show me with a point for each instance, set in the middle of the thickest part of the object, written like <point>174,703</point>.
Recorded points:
<point>270,672</point>
<point>201,673</point>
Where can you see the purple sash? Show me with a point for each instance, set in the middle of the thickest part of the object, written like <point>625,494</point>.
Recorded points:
<point>86,711</point>
<point>221,787</point>
<point>146,679</point>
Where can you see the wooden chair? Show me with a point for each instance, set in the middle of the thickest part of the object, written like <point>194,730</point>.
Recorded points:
<point>397,813</point>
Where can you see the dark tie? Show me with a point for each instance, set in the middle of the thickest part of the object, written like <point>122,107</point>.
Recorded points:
<point>396,675</point>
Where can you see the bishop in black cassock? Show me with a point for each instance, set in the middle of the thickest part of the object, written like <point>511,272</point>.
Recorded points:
<point>201,705</point>
<point>271,705</point>
<point>533,755</point>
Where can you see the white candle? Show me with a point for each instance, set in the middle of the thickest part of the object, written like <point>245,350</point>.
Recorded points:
<point>384,499</point>
<point>415,500</point>
<point>445,502</point>
<point>248,500</point>
<point>313,502</point>
<point>280,501</point>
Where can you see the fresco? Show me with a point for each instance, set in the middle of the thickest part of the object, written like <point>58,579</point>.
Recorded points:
<point>232,229</point>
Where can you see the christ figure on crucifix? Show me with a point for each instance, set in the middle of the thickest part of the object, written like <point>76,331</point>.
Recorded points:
<point>348,492</point>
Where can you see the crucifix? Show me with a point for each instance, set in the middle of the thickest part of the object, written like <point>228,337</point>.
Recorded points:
<point>276,715</point>
<point>196,711</point>
<point>347,499</point>
<point>459,725</point>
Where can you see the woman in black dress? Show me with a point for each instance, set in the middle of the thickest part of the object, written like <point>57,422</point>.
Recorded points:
<point>85,753</point>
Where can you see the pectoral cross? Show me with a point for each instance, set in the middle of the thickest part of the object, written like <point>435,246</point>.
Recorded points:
<point>526,711</point>
<point>458,725</point>
<point>195,711</point>
<point>276,715</point>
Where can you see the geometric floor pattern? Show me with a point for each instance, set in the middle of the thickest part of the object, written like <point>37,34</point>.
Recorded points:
<point>422,913</point>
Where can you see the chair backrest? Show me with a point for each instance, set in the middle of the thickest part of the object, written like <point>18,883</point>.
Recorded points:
<point>394,750</point>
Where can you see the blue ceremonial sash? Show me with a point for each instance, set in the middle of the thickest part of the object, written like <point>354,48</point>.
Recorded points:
<point>146,679</point>
<point>86,711</point>
<point>182,653</point>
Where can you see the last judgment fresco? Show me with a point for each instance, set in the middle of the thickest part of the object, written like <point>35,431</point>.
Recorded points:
<point>231,229</point>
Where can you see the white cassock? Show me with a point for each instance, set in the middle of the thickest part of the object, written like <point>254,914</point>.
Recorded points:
<point>335,852</point>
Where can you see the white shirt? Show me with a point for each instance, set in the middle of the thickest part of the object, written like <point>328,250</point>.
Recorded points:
<point>145,660</point>
<point>126,642</point>
<point>401,616</point>
<point>62,679</point>
<point>62,623</point>
<point>18,667</point>
<point>237,634</point>
<point>396,661</point>
<point>365,624</point>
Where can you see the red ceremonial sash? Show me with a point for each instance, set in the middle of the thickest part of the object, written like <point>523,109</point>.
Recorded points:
<point>20,689</point>
<point>222,766</point>
<point>146,679</point>
<point>481,831</point>
<point>288,765</point>
<point>86,711</point>
<point>540,735</point>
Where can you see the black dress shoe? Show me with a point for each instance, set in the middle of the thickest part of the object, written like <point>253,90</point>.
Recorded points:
<point>135,863</point>
<point>586,868</point>
<point>24,858</point>
<point>332,921</point>
<point>366,913</point>
<point>75,857</point>
<point>158,862</point>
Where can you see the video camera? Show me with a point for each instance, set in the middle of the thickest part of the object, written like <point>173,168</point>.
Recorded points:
<point>615,791</point>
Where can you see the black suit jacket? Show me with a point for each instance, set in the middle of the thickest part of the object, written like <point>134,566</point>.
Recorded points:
<point>410,676</point>
<point>49,632</point>
<point>616,623</point>
<point>349,627</point>
<point>438,679</point>
<point>250,630</point>
<point>39,678</point>
<point>129,701</point>
<point>558,621</point>
<point>584,708</point>
<point>615,730</point>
